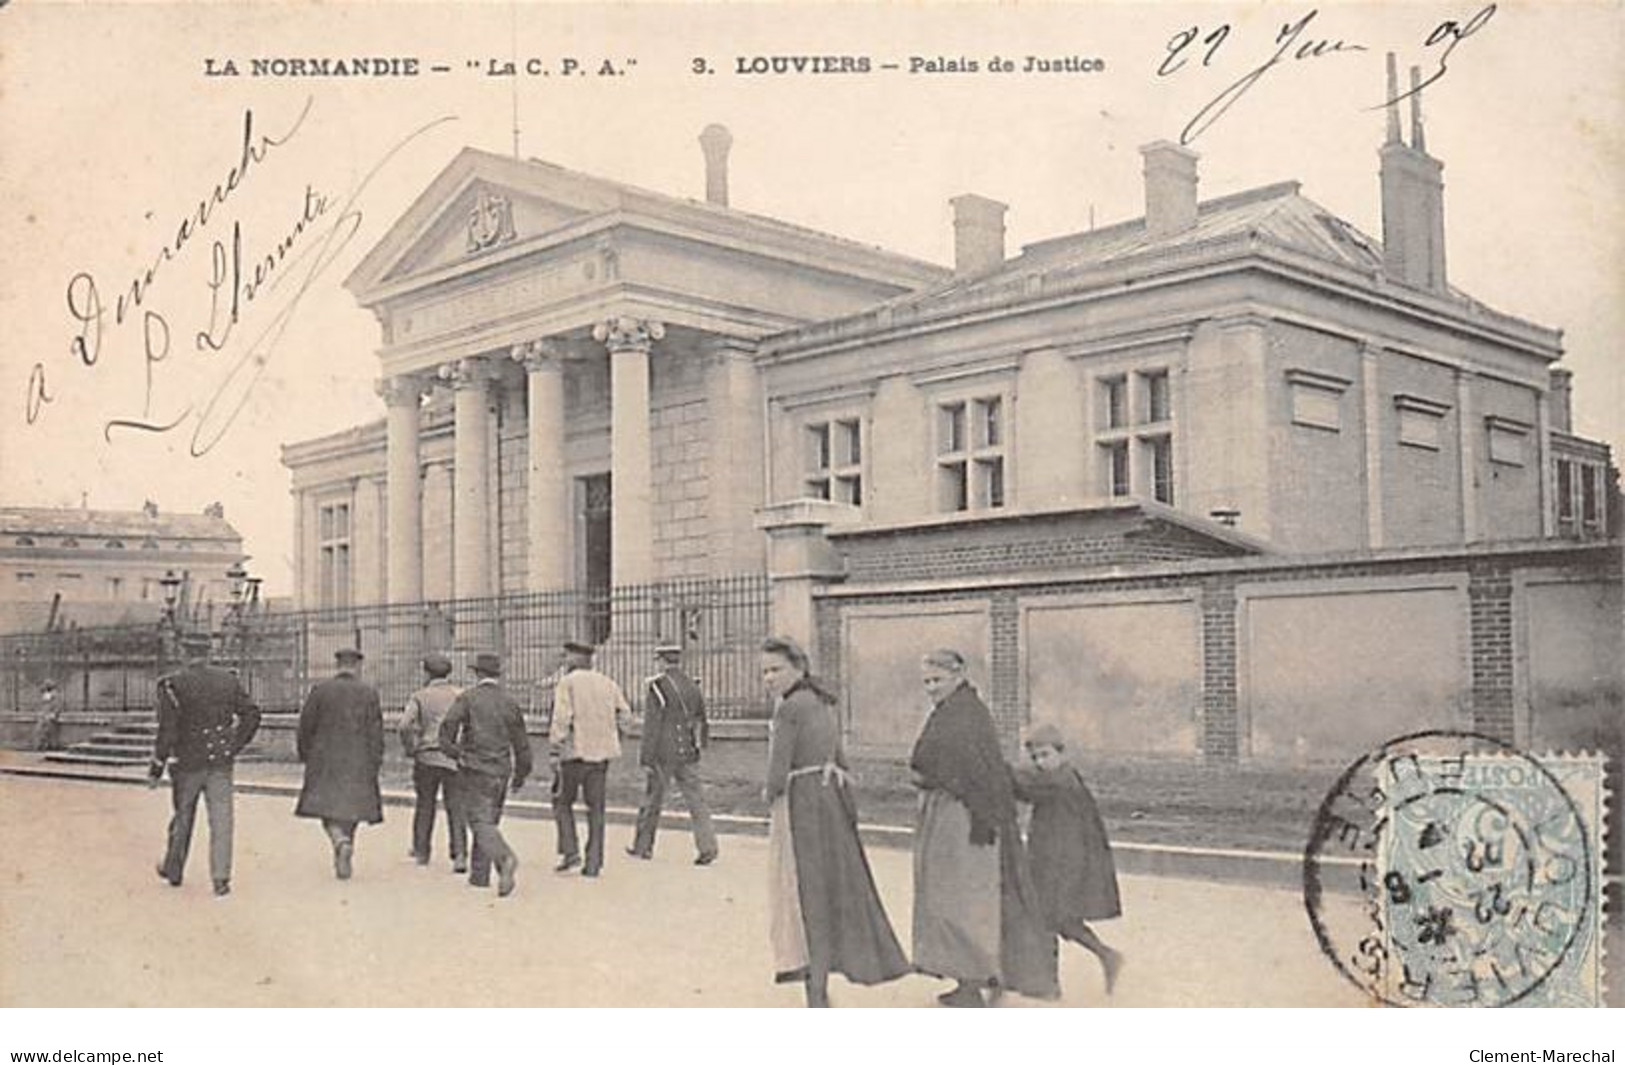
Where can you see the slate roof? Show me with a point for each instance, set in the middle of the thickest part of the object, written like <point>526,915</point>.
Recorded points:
<point>1277,215</point>
<point>103,524</point>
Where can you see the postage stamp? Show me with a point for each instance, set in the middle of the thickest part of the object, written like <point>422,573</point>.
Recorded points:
<point>1480,870</point>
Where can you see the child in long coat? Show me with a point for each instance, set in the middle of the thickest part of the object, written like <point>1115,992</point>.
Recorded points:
<point>1071,858</point>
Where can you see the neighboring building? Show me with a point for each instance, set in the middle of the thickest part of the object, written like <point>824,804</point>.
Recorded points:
<point>577,375</point>
<point>101,567</point>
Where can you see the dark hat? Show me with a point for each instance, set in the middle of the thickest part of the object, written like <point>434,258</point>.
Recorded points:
<point>669,650</point>
<point>195,641</point>
<point>436,664</point>
<point>579,647</point>
<point>348,654</point>
<point>488,663</point>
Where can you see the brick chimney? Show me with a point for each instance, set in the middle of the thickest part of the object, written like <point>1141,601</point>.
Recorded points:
<point>1561,403</point>
<point>715,141</point>
<point>978,234</point>
<point>1170,188</point>
<point>1412,196</point>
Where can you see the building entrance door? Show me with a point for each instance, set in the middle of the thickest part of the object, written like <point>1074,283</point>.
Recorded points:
<point>593,559</point>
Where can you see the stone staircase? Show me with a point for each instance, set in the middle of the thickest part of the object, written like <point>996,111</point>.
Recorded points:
<point>119,747</point>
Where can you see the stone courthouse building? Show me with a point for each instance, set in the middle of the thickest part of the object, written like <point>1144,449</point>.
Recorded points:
<point>1233,479</point>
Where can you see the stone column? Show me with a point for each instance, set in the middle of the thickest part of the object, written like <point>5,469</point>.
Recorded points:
<point>547,509</point>
<point>402,397</point>
<point>471,543</point>
<point>629,341</point>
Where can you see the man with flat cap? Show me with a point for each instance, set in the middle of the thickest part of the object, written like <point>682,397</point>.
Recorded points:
<point>433,771</point>
<point>484,732</point>
<point>674,731</point>
<point>204,719</point>
<point>341,742</point>
<point>589,713</point>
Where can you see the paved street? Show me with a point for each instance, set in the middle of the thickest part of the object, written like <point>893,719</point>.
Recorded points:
<point>85,922</point>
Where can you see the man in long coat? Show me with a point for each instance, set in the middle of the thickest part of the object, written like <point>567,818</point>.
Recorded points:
<point>341,742</point>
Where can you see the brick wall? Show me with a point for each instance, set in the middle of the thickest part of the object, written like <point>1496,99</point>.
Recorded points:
<point>1489,594</point>
<point>1491,693</point>
<point>1021,545</point>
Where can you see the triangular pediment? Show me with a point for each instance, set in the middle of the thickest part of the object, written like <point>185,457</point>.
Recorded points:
<point>480,204</point>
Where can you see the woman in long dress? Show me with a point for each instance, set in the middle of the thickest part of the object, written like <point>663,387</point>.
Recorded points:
<point>826,914</point>
<point>977,919</point>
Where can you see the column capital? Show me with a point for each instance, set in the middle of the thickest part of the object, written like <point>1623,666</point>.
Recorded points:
<point>628,334</point>
<point>535,355</point>
<point>402,390</point>
<point>471,372</point>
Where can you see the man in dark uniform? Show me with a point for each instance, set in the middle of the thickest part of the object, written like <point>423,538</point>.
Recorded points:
<point>484,731</point>
<point>204,719</point>
<point>674,731</point>
<point>341,742</point>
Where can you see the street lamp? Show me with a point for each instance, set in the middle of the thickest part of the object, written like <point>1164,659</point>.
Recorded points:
<point>238,577</point>
<point>172,587</point>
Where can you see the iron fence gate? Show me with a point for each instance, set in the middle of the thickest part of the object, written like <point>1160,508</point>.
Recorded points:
<point>719,621</point>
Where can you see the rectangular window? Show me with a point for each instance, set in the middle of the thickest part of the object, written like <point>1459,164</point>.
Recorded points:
<point>115,587</point>
<point>1154,387</point>
<point>952,487</point>
<point>1590,513</point>
<point>24,578</point>
<point>333,525</point>
<point>1137,461</point>
<point>1117,479</point>
<point>1565,490</point>
<point>951,431</point>
<point>971,458</point>
<point>1162,468</point>
<point>834,461</point>
<point>1114,402</point>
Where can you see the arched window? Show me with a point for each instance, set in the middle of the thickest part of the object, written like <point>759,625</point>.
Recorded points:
<point>25,541</point>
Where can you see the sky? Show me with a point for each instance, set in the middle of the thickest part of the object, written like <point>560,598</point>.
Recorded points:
<point>113,130</point>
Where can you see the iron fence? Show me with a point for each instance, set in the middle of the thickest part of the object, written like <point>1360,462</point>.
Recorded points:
<point>719,622</point>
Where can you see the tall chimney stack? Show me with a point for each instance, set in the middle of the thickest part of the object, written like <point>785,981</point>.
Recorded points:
<point>1170,188</point>
<point>715,141</point>
<point>978,234</point>
<point>1412,196</point>
<point>1561,404</point>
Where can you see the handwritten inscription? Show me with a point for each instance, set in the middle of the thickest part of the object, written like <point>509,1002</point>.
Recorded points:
<point>244,276</point>
<point>1297,43</point>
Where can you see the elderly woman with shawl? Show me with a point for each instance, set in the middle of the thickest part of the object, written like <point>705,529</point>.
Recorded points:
<point>976,917</point>
<point>826,914</point>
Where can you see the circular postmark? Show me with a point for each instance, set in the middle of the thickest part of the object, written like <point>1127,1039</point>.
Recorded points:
<point>1448,868</point>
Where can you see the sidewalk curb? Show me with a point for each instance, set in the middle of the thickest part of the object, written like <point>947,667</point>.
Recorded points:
<point>1279,869</point>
